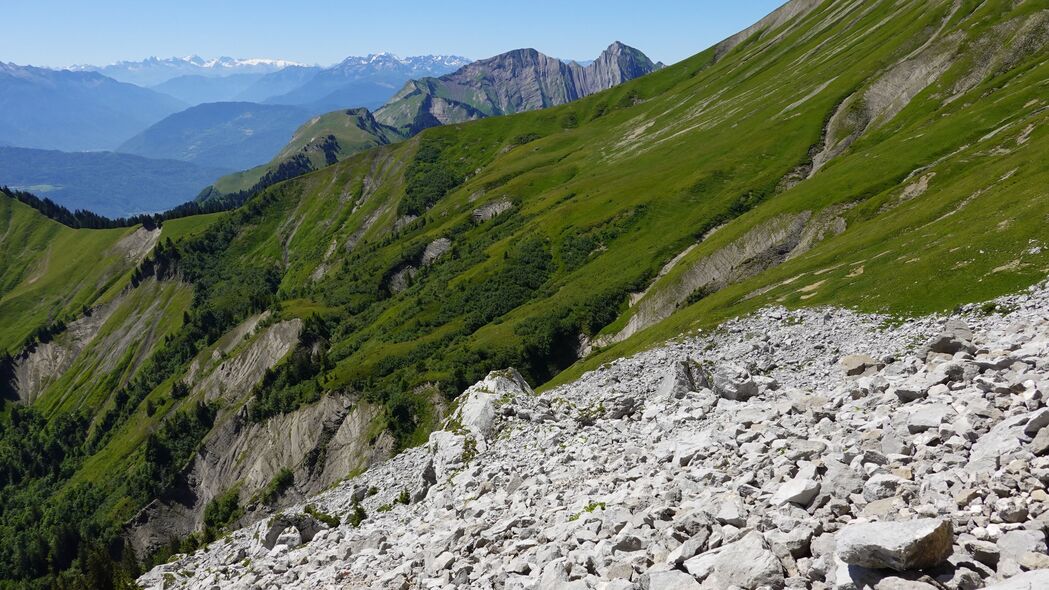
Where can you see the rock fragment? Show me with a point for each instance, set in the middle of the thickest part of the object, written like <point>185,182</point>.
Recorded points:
<point>900,546</point>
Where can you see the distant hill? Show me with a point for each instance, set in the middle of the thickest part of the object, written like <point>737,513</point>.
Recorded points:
<point>232,135</point>
<point>72,111</point>
<point>277,83</point>
<point>153,70</point>
<point>196,89</point>
<point>320,142</point>
<point>367,81</point>
<point>111,184</point>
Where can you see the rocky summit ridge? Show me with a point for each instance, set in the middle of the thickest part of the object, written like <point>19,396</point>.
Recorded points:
<point>815,448</point>
<point>511,82</point>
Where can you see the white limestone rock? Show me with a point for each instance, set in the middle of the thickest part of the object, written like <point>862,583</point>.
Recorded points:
<point>900,546</point>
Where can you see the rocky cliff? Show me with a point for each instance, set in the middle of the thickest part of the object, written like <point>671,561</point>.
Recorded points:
<point>816,448</point>
<point>512,82</point>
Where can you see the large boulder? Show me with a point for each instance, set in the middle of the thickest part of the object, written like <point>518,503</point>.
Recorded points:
<point>901,546</point>
<point>682,378</point>
<point>928,417</point>
<point>1015,544</point>
<point>734,382</point>
<point>449,450</point>
<point>305,525</point>
<point>478,406</point>
<point>748,563</point>
<point>800,490</point>
<point>469,428</point>
<point>1003,439</point>
<point>956,337</point>
<point>857,364</point>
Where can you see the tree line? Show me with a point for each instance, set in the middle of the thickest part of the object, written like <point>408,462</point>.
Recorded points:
<point>84,219</point>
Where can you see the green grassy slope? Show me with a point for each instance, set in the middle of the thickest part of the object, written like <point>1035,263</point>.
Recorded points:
<point>515,81</point>
<point>319,142</point>
<point>904,138</point>
<point>617,185</point>
<point>49,272</point>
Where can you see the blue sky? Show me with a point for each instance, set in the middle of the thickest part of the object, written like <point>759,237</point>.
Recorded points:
<point>58,33</point>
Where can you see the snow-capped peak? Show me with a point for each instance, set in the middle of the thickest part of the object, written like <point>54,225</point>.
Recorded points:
<point>154,70</point>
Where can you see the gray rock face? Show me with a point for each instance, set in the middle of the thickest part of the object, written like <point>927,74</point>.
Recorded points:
<point>1002,440</point>
<point>435,250</point>
<point>1015,544</point>
<point>800,490</point>
<point>491,210</point>
<point>1040,444</point>
<point>618,482</point>
<point>929,417</point>
<point>900,546</point>
<point>512,82</point>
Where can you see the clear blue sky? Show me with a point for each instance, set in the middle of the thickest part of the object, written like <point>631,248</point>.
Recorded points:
<point>63,32</point>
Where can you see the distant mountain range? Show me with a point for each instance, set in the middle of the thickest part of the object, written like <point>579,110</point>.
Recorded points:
<point>111,184</point>
<point>239,134</point>
<point>231,135</point>
<point>153,70</point>
<point>512,82</point>
<point>101,107</point>
<point>367,81</point>
<point>194,89</point>
<point>67,110</point>
<point>356,81</point>
<point>277,83</point>
<point>243,112</point>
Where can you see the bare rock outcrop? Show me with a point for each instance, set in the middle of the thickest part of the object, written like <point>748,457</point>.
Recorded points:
<point>512,82</point>
<point>766,245</point>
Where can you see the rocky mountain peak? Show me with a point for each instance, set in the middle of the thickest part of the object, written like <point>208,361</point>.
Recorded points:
<point>617,47</point>
<point>520,80</point>
<point>616,64</point>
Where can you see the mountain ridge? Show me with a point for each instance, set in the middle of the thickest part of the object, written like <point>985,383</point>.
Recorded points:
<point>515,81</point>
<point>364,81</point>
<point>232,135</point>
<point>195,89</point>
<point>153,70</point>
<point>74,111</point>
<point>429,102</point>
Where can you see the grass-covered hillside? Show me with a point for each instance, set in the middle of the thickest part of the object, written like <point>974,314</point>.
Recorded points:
<point>321,141</point>
<point>882,155</point>
<point>512,82</point>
